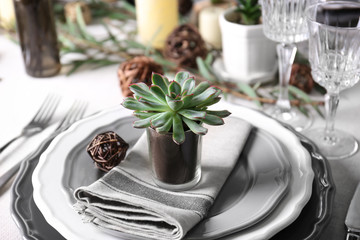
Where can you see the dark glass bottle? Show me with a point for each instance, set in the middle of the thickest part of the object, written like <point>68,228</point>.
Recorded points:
<point>37,33</point>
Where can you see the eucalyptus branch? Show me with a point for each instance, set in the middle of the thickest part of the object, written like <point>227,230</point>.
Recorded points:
<point>86,44</point>
<point>294,102</point>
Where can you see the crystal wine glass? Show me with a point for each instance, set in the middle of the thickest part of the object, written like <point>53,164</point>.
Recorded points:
<point>284,22</point>
<point>334,54</point>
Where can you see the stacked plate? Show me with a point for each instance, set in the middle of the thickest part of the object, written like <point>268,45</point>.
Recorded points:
<point>281,187</point>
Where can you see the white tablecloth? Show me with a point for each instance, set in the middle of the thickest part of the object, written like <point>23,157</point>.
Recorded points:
<point>21,95</point>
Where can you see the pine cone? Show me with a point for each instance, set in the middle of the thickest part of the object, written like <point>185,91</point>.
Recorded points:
<point>184,45</point>
<point>301,77</point>
<point>138,69</point>
<point>70,11</point>
<point>107,150</point>
<point>185,6</point>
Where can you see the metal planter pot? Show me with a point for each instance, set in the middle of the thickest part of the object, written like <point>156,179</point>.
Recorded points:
<point>175,167</point>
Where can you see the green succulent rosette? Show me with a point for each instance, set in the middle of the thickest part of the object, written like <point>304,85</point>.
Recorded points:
<point>172,106</point>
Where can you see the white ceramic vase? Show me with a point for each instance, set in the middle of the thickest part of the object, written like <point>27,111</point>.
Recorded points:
<point>248,56</point>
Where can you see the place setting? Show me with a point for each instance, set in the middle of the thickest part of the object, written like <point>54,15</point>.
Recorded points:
<point>176,159</point>
<point>291,167</point>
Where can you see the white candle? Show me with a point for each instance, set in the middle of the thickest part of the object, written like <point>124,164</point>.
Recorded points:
<point>209,25</point>
<point>7,14</point>
<point>156,19</point>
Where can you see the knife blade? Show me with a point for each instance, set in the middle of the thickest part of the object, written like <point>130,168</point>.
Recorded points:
<point>352,220</point>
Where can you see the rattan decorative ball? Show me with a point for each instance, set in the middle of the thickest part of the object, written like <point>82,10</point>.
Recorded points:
<point>138,69</point>
<point>70,11</point>
<point>185,6</point>
<point>107,150</point>
<point>184,45</point>
<point>301,77</point>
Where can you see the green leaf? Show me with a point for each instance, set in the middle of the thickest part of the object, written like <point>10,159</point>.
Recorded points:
<point>209,59</point>
<point>178,130</point>
<point>302,109</point>
<point>134,44</point>
<point>76,66</point>
<point>174,104</point>
<point>200,88</point>
<point>166,127</point>
<point>209,102</point>
<point>205,97</point>
<point>165,63</point>
<point>192,114</point>
<point>174,87</point>
<point>71,27</point>
<point>180,77</point>
<point>187,100</point>
<point>245,88</point>
<point>302,95</point>
<point>213,120</point>
<point>66,42</point>
<point>133,104</point>
<point>256,86</point>
<point>158,93</point>
<point>161,81</point>
<point>118,16</point>
<point>142,123</point>
<point>203,69</point>
<point>220,113</point>
<point>160,119</point>
<point>195,127</point>
<point>142,90</point>
<point>143,115</point>
<point>188,85</point>
<point>110,34</point>
<point>128,7</point>
<point>82,26</point>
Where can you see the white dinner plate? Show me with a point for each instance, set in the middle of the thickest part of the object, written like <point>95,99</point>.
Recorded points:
<point>56,205</point>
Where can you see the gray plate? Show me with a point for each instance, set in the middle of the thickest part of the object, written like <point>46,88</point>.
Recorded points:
<point>259,184</point>
<point>312,220</point>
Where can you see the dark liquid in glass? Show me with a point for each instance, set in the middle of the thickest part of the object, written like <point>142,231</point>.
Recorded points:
<point>339,15</point>
<point>37,34</point>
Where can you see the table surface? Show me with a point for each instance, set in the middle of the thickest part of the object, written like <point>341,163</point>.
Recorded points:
<point>21,95</point>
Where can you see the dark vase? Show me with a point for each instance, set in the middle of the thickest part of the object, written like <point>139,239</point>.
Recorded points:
<point>175,167</point>
<point>37,34</point>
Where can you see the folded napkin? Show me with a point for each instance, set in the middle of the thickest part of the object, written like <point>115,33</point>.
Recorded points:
<point>127,200</point>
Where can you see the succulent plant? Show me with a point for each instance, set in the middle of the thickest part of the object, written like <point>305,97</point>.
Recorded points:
<point>175,106</point>
<point>250,11</point>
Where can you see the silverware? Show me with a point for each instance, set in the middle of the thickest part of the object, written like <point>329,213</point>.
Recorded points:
<point>75,113</point>
<point>352,220</point>
<point>40,121</point>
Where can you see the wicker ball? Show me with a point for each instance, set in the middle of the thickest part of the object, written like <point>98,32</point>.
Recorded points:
<point>70,11</point>
<point>184,45</point>
<point>138,69</point>
<point>107,150</point>
<point>185,6</point>
<point>301,77</point>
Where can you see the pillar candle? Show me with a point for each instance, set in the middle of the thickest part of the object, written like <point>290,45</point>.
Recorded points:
<point>156,19</point>
<point>7,14</point>
<point>209,25</point>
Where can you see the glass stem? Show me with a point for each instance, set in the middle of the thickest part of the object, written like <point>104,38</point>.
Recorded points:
<point>331,104</point>
<point>286,55</point>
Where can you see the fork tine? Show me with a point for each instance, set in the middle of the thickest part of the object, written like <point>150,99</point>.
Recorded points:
<point>42,108</point>
<point>53,104</point>
<point>75,112</point>
<point>47,109</point>
<point>80,113</point>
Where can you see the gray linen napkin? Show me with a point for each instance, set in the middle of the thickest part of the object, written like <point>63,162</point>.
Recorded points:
<point>127,200</point>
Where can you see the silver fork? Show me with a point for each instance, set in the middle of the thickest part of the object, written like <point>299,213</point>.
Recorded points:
<point>75,113</point>
<point>40,121</point>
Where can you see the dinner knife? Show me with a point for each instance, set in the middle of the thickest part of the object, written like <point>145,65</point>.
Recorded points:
<point>352,220</point>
